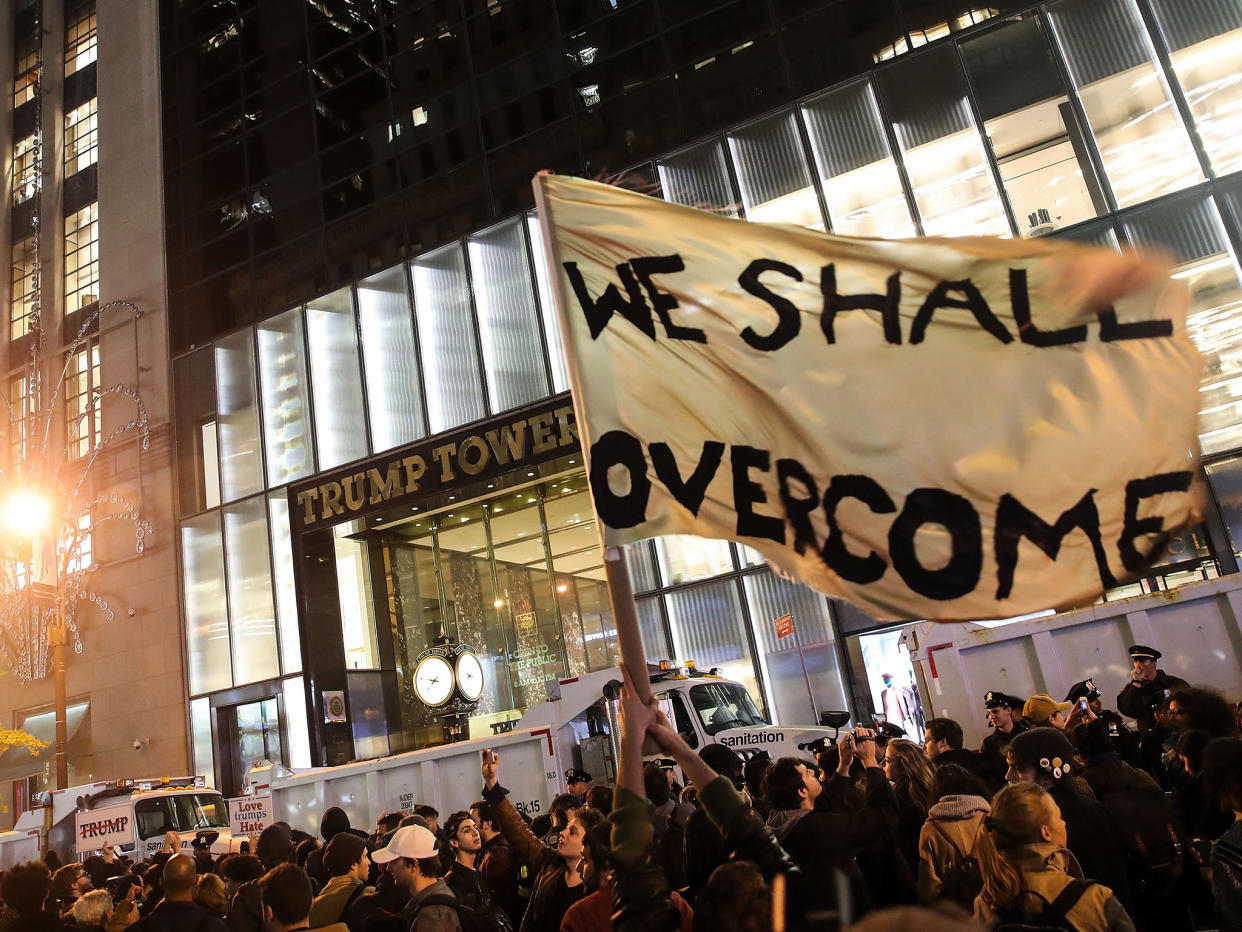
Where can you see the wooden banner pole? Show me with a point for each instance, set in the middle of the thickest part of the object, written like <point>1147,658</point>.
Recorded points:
<point>624,613</point>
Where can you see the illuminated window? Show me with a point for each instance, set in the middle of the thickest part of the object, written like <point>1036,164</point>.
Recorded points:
<point>22,302</point>
<point>81,137</point>
<point>80,39</point>
<point>25,169</point>
<point>83,421</point>
<point>81,551</point>
<point>26,72</point>
<point>82,258</point>
<point>24,400</point>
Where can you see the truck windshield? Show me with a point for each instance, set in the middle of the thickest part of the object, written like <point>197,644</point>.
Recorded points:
<point>199,810</point>
<point>724,705</point>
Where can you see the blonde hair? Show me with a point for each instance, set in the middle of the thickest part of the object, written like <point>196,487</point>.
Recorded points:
<point>210,893</point>
<point>1019,812</point>
<point>914,771</point>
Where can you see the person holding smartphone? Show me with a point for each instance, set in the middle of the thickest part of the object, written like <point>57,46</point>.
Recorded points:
<point>1088,700</point>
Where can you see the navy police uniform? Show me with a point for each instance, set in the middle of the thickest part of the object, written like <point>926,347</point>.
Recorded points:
<point>994,745</point>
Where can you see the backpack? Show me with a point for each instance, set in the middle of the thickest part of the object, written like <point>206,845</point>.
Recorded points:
<point>963,881</point>
<point>488,919</point>
<point>1053,916</point>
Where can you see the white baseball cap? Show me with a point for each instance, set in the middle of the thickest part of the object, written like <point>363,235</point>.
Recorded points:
<point>412,841</point>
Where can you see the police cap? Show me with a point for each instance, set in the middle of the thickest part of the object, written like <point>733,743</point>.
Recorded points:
<point>574,775</point>
<point>1143,652</point>
<point>995,699</point>
<point>1084,689</point>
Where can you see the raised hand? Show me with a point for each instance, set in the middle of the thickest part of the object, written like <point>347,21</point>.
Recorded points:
<point>491,761</point>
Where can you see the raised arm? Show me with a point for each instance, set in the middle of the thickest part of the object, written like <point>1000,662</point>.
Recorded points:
<point>526,846</point>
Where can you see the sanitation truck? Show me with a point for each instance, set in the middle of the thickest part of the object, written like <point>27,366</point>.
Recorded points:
<point>132,815</point>
<point>575,728</point>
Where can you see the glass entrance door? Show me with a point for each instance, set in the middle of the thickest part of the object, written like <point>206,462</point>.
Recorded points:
<point>256,737</point>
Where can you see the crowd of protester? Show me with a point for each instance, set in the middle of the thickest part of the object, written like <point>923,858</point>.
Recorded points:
<point>1064,818</point>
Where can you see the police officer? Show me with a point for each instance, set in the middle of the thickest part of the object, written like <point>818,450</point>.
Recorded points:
<point>1005,717</point>
<point>1122,739</point>
<point>1147,691</point>
<point>576,783</point>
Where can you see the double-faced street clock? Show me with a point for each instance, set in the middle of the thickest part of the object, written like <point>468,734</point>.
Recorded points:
<point>448,678</point>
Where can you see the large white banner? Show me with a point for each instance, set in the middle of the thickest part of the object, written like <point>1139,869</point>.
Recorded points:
<point>930,428</point>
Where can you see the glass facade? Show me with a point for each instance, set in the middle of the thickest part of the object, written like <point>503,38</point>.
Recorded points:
<point>357,257</point>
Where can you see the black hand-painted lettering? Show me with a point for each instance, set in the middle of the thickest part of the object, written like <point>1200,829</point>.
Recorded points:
<point>972,301</point>
<point>1135,527</point>
<point>617,448</point>
<point>834,553</point>
<point>888,304</point>
<point>1015,521</point>
<point>789,320</point>
<point>747,493</point>
<point>663,302</point>
<point>1112,330</point>
<point>691,492</point>
<point>798,508</point>
<point>1020,301</point>
<point>598,312</point>
<point>958,516</point>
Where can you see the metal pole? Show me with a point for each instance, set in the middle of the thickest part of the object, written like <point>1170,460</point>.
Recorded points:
<point>57,636</point>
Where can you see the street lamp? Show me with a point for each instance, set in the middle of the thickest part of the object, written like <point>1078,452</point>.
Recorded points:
<point>27,515</point>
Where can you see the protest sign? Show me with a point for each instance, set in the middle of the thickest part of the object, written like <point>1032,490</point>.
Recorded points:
<point>249,815</point>
<point>931,428</point>
<point>111,825</point>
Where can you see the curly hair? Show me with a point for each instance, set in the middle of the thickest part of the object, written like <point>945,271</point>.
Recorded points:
<point>25,887</point>
<point>1204,710</point>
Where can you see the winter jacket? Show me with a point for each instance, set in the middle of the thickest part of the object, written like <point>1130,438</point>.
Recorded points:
<point>436,917</point>
<point>1046,871</point>
<point>179,917</point>
<point>1094,838</point>
<point>1140,702</point>
<point>994,749</point>
<point>499,868</point>
<point>593,913</point>
<point>1227,877</point>
<point>973,761</point>
<point>381,910</point>
<point>821,842</point>
<point>641,897</point>
<point>333,901</point>
<point>948,837</point>
<point>469,886</point>
<point>544,865</point>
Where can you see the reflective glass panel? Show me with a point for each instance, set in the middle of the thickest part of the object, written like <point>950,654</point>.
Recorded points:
<point>296,727</point>
<point>684,558</point>
<point>699,177</point>
<point>394,397</point>
<point>286,401</point>
<point>944,156</point>
<point>1205,44</point>
<point>206,609</point>
<point>446,336</point>
<point>203,750</point>
<point>237,416</point>
<point>1032,127</point>
<point>1142,142</point>
<point>336,379</point>
<point>1191,230</point>
<point>707,628</point>
<point>282,577</point>
<point>508,319</point>
<point>857,171</point>
<point>547,306</point>
<point>353,582</point>
<point>252,615</point>
<point>773,173</point>
<point>639,563</point>
<point>651,624</point>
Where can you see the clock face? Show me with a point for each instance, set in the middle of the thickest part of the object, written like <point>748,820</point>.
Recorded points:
<point>469,675</point>
<point>433,680</point>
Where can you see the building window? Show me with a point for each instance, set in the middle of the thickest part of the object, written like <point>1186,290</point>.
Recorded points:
<point>83,414</point>
<point>82,258</point>
<point>81,551</point>
<point>80,39</point>
<point>26,72</point>
<point>22,302</point>
<point>24,402</point>
<point>25,169</point>
<point>81,137</point>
